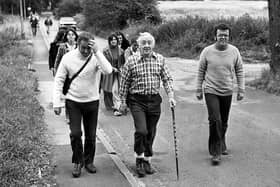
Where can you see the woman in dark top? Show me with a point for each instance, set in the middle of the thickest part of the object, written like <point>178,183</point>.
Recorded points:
<point>69,44</point>
<point>54,48</point>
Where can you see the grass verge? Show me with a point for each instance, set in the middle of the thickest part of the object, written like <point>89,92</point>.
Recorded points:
<point>24,151</point>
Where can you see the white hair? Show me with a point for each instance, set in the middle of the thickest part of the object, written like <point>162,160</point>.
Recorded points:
<point>146,36</point>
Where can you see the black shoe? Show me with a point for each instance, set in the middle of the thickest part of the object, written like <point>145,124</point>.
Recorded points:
<point>77,170</point>
<point>90,168</point>
<point>148,168</point>
<point>140,167</point>
<point>216,160</point>
<point>225,152</point>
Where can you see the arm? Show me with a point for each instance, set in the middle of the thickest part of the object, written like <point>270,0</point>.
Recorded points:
<point>103,63</point>
<point>125,82</point>
<point>60,53</point>
<point>167,80</point>
<point>201,72</point>
<point>58,83</point>
<point>239,71</point>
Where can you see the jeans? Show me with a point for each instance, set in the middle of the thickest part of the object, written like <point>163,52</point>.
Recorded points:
<point>218,111</point>
<point>145,110</point>
<point>89,113</point>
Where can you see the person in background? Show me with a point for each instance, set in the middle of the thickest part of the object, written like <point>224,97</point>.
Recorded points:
<point>123,42</point>
<point>34,21</point>
<point>69,44</point>
<point>218,64</point>
<point>54,49</point>
<point>82,98</point>
<point>110,82</point>
<point>133,49</point>
<point>140,86</point>
<point>48,23</point>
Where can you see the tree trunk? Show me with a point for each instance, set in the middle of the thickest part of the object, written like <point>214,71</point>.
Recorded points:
<point>274,35</point>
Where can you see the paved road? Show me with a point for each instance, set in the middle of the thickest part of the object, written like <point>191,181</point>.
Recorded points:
<point>253,138</point>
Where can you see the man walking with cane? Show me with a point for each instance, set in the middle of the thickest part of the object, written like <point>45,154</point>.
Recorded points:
<point>140,87</point>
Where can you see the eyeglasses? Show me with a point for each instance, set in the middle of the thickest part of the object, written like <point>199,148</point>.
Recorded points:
<point>223,35</point>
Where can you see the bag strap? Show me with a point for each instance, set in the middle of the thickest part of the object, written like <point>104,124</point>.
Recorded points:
<point>76,74</point>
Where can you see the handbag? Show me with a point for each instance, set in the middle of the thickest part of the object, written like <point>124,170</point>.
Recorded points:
<point>68,81</point>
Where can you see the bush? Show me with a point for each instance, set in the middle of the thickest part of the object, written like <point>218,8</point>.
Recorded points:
<point>24,151</point>
<point>267,82</point>
<point>68,8</point>
<point>115,15</point>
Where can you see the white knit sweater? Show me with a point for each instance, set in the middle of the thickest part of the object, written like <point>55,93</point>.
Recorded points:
<point>85,87</point>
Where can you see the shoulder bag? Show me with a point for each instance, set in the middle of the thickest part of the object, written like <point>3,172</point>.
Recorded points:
<point>68,80</point>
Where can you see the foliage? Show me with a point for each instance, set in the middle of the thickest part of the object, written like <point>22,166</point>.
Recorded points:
<point>110,14</point>
<point>267,82</point>
<point>186,37</point>
<point>12,6</point>
<point>68,8</point>
<point>24,151</point>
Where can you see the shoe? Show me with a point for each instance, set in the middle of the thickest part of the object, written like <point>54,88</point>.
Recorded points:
<point>225,152</point>
<point>90,168</point>
<point>117,113</point>
<point>140,167</point>
<point>148,168</point>
<point>216,160</point>
<point>77,170</point>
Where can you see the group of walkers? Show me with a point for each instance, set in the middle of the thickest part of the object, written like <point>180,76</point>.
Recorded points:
<point>34,23</point>
<point>130,74</point>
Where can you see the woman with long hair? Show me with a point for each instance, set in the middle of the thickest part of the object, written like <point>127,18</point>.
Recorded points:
<point>110,82</point>
<point>69,43</point>
<point>54,48</point>
<point>123,41</point>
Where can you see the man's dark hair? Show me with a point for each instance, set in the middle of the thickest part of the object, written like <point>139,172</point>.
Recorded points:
<point>223,27</point>
<point>85,36</point>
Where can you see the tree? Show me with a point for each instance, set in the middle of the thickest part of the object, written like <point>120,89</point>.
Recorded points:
<point>274,35</point>
<point>68,8</point>
<point>112,14</point>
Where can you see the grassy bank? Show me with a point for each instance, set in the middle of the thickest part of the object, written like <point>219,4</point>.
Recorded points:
<point>24,151</point>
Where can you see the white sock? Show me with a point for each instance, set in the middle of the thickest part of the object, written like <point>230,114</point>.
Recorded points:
<point>139,156</point>
<point>148,158</point>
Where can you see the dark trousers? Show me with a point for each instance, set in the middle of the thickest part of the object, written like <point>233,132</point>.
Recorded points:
<point>145,110</point>
<point>218,112</point>
<point>34,30</point>
<point>89,113</point>
<point>108,100</point>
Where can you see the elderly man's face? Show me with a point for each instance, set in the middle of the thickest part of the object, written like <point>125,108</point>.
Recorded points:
<point>146,46</point>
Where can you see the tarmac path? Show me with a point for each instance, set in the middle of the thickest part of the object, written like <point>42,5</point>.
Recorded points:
<point>253,137</point>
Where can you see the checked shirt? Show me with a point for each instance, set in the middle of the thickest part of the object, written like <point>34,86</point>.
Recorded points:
<point>143,76</point>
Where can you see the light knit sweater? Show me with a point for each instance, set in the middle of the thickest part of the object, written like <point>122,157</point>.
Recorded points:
<point>85,87</point>
<point>217,69</point>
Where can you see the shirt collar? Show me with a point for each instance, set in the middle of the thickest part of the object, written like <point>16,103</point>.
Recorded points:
<point>153,55</point>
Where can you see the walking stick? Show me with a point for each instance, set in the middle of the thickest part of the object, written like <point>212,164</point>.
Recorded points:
<point>175,141</point>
